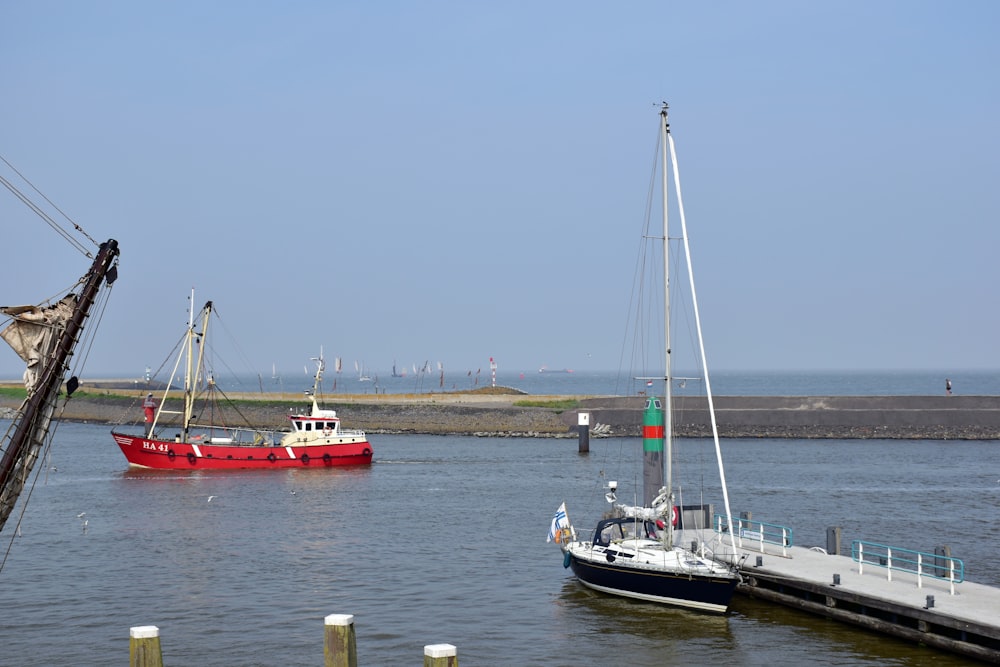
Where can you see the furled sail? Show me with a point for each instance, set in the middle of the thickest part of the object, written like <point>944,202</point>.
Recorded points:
<point>34,333</point>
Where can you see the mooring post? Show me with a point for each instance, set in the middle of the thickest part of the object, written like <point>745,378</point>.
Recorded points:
<point>833,540</point>
<point>144,646</point>
<point>942,554</point>
<point>583,426</point>
<point>440,655</point>
<point>340,647</point>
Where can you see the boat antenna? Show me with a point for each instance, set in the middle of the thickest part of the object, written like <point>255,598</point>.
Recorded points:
<point>318,378</point>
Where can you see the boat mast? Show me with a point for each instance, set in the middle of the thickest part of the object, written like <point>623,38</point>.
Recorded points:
<point>36,414</point>
<point>668,429</point>
<point>199,367</point>
<point>193,367</point>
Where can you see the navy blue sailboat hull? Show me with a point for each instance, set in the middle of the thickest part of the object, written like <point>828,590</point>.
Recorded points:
<point>696,591</point>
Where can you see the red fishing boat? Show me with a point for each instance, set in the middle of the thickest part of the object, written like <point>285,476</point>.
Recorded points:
<point>316,439</point>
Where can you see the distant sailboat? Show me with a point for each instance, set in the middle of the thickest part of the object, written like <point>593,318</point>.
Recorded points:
<point>276,378</point>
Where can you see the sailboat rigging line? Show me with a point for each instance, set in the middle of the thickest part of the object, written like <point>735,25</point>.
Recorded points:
<point>89,334</point>
<point>45,216</point>
<point>215,389</point>
<point>130,409</point>
<point>697,319</point>
<point>44,454</point>
<point>250,370</point>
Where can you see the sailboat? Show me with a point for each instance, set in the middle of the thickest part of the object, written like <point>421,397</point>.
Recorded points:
<point>45,337</point>
<point>636,551</point>
<point>208,440</point>
<point>362,374</point>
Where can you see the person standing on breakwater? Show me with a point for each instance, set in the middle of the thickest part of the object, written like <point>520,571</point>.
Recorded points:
<point>947,386</point>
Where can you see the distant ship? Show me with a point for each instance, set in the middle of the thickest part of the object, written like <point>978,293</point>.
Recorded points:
<point>545,369</point>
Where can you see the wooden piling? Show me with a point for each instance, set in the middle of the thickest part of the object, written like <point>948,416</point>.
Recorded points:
<point>440,655</point>
<point>340,647</point>
<point>144,646</point>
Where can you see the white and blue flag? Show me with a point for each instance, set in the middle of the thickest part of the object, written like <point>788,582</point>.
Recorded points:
<point>559,521</point>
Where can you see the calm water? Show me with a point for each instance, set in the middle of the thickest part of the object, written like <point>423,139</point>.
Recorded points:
<point>442,540</point>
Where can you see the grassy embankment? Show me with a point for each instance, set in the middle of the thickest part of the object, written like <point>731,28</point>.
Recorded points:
<point>558,405</point>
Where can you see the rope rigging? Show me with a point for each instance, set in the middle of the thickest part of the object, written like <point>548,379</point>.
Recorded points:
<point>46,337</point>
<point>59,229</point>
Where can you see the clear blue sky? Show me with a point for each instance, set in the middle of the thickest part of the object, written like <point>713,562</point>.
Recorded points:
<point>451,181</point>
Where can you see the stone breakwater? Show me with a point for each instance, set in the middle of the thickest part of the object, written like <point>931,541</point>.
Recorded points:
<point>829,417</point>
<point>384,414</point>
<point>497,415</point>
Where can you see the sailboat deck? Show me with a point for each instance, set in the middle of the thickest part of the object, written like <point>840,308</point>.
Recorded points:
<point>923,610</point>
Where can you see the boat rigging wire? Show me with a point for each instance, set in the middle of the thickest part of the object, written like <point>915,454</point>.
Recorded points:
<point>45,216</point>
<point>18,460</point>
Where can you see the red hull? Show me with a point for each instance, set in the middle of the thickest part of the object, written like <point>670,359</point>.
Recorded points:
<point>170,455</point>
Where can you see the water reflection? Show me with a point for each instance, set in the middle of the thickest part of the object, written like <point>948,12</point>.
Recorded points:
<point>851,644</point>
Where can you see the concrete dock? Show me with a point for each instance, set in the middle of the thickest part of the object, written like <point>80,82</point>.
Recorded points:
<point>958,617</point>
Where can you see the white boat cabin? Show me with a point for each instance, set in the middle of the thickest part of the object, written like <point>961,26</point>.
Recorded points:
<point>320,421</point>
